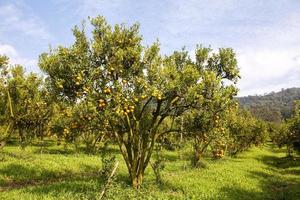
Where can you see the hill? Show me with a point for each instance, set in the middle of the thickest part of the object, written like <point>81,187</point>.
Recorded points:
<point>272,106</point>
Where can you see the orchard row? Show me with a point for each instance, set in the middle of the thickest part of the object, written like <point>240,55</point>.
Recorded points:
<point>111,88</point>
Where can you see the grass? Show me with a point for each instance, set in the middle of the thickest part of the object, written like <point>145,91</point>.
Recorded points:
<point>261,173</point>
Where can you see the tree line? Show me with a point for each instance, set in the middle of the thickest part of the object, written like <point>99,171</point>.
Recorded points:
<point>273,106</point>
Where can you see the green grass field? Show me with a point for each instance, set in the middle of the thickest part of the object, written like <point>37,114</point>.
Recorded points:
<point>261,173</point>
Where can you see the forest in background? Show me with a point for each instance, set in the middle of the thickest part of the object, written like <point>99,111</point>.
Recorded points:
<point>272,106</point>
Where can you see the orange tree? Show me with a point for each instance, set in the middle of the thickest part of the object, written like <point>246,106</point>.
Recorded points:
<point>77,123</point>
<point>133,87</point>
<point>27,108</point>
<point>244,131</point>
<point>6,113</point>
<point>288,133</point>
<point>207,124</point>
<point>30,105</point>
<point>61,126</point>
<point>294,128</point>
<point>89,126</point>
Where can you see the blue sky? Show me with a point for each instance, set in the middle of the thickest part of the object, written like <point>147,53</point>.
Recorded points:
<point>265,34</point>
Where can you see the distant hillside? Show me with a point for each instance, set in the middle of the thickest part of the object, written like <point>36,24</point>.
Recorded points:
<point>272,106</point>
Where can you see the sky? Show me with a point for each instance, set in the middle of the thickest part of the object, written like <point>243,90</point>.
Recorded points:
<point>264,34</point>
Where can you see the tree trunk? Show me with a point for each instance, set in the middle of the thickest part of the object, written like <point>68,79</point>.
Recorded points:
<point>197,155</point>
<point>136,155</point>
<point>22,139</point>
<point>199,150</point>
<point>136,145</point>
<point>289,150</point>
<point>2,144</point>
<point>137,180</point>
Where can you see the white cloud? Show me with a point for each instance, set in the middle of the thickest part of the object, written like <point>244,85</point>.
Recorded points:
<point>272,61</point>
<point>16,58</point>
<point>268,70</point>
<point>265,36</point>
<point>15,19</point>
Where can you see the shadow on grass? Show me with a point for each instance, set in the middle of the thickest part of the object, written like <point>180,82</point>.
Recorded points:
<point>55,151</point>
<point>45,143</point>
<point>232,193</point>
<point>90,188</point>
<point>85,185</point>
<point>281,184</point>
<point>82,187</point>
<point>280,162</point>
<point>19,156</point>
<point>170,157</point>
<point>71,150</point>
<point>168,186</point>
<point>149,184</point>
<point>276,186</point>
<point>41,182</point>
<point>19,172</point>
<point>17,176</point>
<point>272,188</point>
<point>292,172</point>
